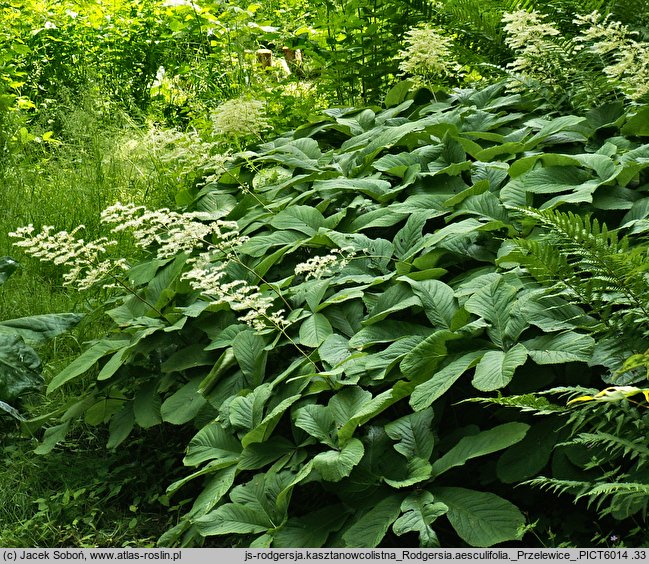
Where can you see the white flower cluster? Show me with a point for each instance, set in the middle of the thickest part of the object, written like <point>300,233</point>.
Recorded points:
<point>207,277</point>
<point>171,232</point>
<point>181,152</point>
<point>530,36</point>
<point>86,267</point>
<point>427,55</point>
<point>320,266</point>
<point>240,117</point>
<point>614,41</point>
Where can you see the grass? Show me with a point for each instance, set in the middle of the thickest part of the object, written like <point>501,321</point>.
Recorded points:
<point>80,494</point>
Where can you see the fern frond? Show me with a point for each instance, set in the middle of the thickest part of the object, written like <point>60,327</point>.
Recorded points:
<point>526,402</point>
<point>591,263</point>
<point>614,445</point>
<point>554,485</point>
<point>626,497</point>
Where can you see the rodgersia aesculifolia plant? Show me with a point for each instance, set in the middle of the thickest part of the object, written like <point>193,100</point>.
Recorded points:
<point>209,244</point>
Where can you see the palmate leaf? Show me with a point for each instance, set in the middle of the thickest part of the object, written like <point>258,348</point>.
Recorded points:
<point>347,403</point>
<point>437,299</point>
<point>396,298</point>
<point>233,518</point>
<point>183,405</point>
<point>248,349</point>
<point>433,388</point>
<point>247,411</point>
<point>527,457</point>
<point>315,330</point>
<point>494,303</point>
<point>414,433</point>
<point>212,442</point>
<point>557,348</point>
<point>261,432</point>
<point>310,530</point>
<point>254,508</point>
<point>318,421</point>
<point>427,355</point>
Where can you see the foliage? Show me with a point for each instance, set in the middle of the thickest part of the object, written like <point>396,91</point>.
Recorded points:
<point>606,446</point>
<point>20,366</point>
<point>377,233</point>
<point>334,326</point>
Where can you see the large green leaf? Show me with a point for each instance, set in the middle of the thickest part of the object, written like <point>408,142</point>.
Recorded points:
<point>526,458</point>
<point>370,528</point>
<point>246,411</point>
<point>304,219</point>
<point>248,348</point>
<point>318,421</point>
<point>310,530</point>
<point>40,328</point>
<point>419,510</point>
<point>20,368</point>
<point>261,431</point>
<point>433,388</point>
<point>437,299</point>
<point>314,330</point>
<point>146,406</point>
<point>493,302</point>
<point>486,442</point>
<point>183,405</point>
<point>218,484</point>
<point>212,442</point>
<point>233,518</point>
<point>53,436</point>
<point>424,359</point>
<point>481,519</point>
<point>395,298</point>
<point>347,403</point>
<point>414,433</point>
<point>409,235</point>
<point>561,347</point>
<point>334,465</point>
<point>496,368</point>
<point>386,332</point>
<point>86,360</point>
<point>121,425</point>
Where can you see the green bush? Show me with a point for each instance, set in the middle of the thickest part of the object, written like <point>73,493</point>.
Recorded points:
<point>329,300</point>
